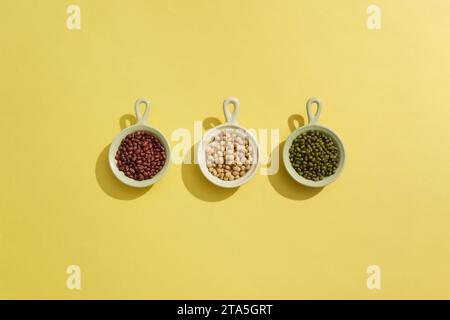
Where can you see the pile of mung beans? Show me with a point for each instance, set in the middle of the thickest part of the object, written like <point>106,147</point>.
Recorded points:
<point>314,155</point>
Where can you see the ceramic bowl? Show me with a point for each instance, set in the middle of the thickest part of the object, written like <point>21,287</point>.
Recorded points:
<point>230,124</point>
<point>312,125</point>
<point>141,125</point>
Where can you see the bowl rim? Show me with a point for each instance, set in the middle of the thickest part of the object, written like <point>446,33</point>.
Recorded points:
<point>115,145</point>
<point>201,160</point>
<point>290,169</point>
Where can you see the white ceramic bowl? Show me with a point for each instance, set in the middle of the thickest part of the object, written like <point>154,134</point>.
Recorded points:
<point>312,125</point>
<point>139,126</point>
<point>231,124</point>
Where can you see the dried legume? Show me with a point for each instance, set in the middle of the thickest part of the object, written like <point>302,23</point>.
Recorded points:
<point>141,155</point>
<point>229,155</point>
<point>314,155</point>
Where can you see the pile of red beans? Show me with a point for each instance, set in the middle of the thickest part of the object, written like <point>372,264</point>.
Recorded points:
<point>141,155</point>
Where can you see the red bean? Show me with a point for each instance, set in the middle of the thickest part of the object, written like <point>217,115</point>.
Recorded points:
<point>140,155</point>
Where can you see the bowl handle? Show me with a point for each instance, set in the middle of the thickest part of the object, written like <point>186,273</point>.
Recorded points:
<point>313,118</point>
<point>231,118</point>
<point>142,118</point>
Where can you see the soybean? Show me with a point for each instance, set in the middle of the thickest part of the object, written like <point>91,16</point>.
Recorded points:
<point>229,155</point>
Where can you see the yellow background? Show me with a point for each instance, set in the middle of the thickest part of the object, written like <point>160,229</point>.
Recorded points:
<point>66,94</point>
